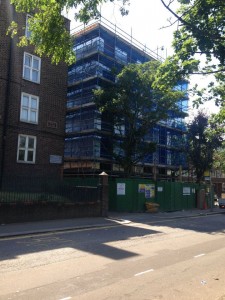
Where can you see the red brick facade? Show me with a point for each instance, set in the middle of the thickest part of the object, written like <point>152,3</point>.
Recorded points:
<point>50,129</point>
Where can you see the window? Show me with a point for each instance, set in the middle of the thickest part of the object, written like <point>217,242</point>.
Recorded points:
<point>31,67</point>
<point>27,30</point>
<point>120,55</point>
<point>96,147</point>
<point>29,108</point>
<point>119,129</point>
<point>96,43</point>
<point>26,149</point>
<point>168,157</point>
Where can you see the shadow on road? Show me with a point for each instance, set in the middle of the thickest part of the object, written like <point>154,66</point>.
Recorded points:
<point>93,240</point>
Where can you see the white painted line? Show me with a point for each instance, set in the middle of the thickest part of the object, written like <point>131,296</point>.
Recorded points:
<point>142,273</point>
<point>199,255</point>
<point>67,298</point>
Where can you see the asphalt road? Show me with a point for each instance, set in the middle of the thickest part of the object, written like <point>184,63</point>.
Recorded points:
<point>165,259</point>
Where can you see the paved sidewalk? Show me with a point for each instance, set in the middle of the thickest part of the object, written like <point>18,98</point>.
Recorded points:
<point>19,229</point>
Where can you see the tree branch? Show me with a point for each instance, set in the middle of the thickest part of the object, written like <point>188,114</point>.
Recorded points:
<point>208,72</point>
<point>176,15</point>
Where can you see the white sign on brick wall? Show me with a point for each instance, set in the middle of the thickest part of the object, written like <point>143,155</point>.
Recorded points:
<point>55,159</point>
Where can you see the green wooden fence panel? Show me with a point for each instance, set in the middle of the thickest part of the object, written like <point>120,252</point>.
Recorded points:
<point>173,196</point>
<point>163,195</point>
<point>130,195</point>
<point>145,192</point>
<point>124,195</point>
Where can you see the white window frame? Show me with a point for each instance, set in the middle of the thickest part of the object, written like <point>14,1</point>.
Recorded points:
<point>29,108</point>
<point>27,30</point>
<point>26,149</point>
<point>31,68</point>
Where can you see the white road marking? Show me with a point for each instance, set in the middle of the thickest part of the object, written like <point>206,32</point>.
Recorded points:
<point>142,273</point>
<point>199,255</point>
<point>67,298</point>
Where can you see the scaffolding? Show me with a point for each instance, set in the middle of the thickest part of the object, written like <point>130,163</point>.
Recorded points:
<point>102,50</point>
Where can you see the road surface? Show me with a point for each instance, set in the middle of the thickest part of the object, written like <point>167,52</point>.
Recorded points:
<point>182,258</point>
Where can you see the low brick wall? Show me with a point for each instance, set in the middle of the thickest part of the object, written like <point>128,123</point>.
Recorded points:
<point>26,212</point>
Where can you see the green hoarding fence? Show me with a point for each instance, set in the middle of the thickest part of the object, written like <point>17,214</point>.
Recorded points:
<point>130,195</point>
<point>173,196</point>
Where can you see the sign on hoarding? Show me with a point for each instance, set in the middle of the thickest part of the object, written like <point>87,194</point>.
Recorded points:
<point>121,188</point>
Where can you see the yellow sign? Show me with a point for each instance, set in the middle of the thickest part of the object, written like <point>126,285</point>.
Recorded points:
<point>149,191</point>
<point>207,173</point>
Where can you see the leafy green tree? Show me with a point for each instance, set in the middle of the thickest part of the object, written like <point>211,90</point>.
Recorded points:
<point>201,31</point>
<point>201,144</point>
<point>134,107</point>
<point>199,46</point>
<point>219,159</point>
<point>47,25</point>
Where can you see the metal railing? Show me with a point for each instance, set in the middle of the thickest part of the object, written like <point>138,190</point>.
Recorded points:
<point>119,32</point>
<point>24,190</point>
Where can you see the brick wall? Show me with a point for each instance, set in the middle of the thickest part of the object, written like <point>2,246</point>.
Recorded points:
<point>52,104</point>
<point>4,57</point>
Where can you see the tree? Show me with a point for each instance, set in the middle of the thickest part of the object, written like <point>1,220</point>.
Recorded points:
<point>201,144</point>
<point>201,30</point>
<point>219,159</point>
<point>199,44</point>
<point>134,107</point>
<point>47,25</point>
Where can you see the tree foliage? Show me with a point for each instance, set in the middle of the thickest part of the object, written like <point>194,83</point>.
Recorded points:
<point>201,30</point>
<point>49,34</point>
<point>219,159</point>
<point>199,45</point>
<point>202,144</point>
<point>134,108</point>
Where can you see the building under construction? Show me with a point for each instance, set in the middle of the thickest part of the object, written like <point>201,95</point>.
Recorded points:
<point>102,50</point>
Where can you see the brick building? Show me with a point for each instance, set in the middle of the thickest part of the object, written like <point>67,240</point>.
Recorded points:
<point>32,106</point>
